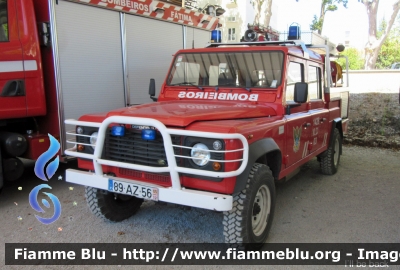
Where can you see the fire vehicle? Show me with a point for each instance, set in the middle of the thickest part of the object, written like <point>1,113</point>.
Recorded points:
<point>230,122</point>
<point>60,59</point>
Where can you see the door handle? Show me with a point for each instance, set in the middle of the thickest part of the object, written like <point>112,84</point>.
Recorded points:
<point>306,125</point>
<point>323,119</point>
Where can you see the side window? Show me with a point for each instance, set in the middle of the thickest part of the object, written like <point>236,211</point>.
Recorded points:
<point>314,82</point>
<point>295,74</point>
<point>3,21</point>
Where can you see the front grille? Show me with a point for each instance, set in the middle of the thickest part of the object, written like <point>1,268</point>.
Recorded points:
<point>131,148</point>
<point>146,175</point>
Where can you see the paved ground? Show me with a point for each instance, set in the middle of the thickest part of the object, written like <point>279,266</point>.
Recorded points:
<point>359,204</point>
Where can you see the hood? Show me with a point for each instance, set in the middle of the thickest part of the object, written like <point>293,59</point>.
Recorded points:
<point>183,113</point>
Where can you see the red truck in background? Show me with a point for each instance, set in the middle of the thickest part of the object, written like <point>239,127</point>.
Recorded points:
<point>27,112</point>
<point>56,63</point>
<point>230,122</point>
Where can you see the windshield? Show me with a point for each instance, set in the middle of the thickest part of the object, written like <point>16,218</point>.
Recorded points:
<point>229,69</point>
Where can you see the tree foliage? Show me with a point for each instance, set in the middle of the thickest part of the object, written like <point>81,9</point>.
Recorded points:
<point>5,28</point>
<point>375,42</point>
<point>356,61</point>
<point>390,50</point>
<point>326,5</point>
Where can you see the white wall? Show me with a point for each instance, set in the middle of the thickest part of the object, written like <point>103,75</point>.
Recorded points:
<point>368,81</point>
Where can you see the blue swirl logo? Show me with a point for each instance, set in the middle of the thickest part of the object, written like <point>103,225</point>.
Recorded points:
<point>35,205</point>
<point>50,171</point>
<point>45,157</point>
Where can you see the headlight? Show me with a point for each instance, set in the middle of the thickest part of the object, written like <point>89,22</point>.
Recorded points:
<point>217,145</point>
<point>79,130</point>
<point>200,154</point>
<point>93,139</point>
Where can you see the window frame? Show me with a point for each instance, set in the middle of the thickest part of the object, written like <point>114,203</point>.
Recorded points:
<point>302,72</point>
<point>6,29</point>
<point>232,36</point>
<point>319,81</point>
<point>228,18</point>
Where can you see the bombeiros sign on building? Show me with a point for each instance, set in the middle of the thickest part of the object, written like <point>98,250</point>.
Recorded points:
<point>129,4</point>
<point>157,10</point>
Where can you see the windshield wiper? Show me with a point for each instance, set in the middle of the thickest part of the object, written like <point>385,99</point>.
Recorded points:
<point>245,88</point>
<point>187,83</point>
<point>236,87</point>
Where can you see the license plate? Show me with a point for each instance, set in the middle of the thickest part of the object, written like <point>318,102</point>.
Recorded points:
<point>149,193</point>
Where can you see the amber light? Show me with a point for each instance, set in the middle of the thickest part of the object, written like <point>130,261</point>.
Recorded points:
<point>216,166</point>
<point>81,147</point>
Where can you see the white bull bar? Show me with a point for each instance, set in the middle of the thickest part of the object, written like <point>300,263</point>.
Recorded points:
<point>174,194</point>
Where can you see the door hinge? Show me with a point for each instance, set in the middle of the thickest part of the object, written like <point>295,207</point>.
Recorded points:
<point>44,34</point>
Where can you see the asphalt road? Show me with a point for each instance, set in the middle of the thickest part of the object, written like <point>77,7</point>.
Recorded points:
<point>360,204</point>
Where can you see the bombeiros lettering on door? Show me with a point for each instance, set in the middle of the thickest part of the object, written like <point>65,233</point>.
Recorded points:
<point>218,96</point>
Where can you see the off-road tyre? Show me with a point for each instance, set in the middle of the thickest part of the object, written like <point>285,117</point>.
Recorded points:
<point>329,160</point>
<point>255,201</point>
<point>111,206</point>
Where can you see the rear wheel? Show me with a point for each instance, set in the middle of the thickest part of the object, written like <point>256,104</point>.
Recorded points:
<point>330,159</point>
<point>250,219</point>
<point>111,206</point>
<point>13,169</point>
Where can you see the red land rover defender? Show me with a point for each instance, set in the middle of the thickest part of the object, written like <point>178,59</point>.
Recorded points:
<point>231,121</point>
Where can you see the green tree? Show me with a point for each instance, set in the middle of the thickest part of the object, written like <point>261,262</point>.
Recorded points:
<point>375,41</point>
<point>390,50</point>
<point>326,5</point>
<point>356,61</point>
<point>5,27</point>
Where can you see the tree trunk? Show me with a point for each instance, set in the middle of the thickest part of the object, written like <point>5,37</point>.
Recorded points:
<point>258,4</point>
<point>322,16</point>
<point>373,46</point>
<point>268,13</point>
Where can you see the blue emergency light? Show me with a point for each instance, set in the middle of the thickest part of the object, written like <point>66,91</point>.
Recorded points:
<point>294,32</point>
<point>118,131</point>
<point>216,35</point>
<point>148,134</point>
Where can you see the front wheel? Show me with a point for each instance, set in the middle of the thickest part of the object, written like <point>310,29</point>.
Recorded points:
<point>250,219</point>
<point>111,206</point>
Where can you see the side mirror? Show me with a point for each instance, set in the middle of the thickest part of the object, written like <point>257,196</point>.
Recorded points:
<point>300,95</point>
<point>300,92</point>
<point>152,89</point>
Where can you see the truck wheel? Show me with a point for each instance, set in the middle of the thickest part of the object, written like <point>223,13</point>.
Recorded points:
<point>329,160</point>
<point>251,216</point>
<point>111,206</point>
